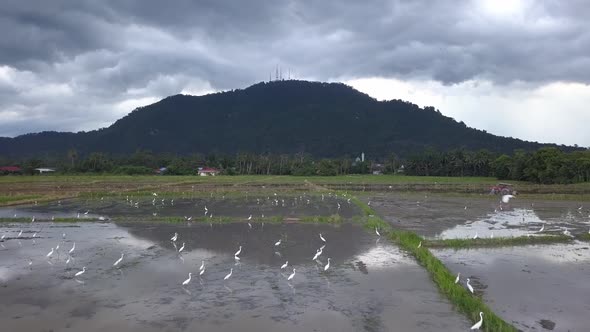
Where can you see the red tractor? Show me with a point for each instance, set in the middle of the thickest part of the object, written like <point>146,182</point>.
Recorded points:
<point>503,189</point>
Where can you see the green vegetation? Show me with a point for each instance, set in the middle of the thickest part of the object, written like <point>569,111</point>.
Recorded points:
<point>467,303</point>
<point>7,199</point>
<point>496,242</point>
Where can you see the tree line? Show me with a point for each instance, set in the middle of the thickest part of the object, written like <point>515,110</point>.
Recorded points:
<point>546,165</point>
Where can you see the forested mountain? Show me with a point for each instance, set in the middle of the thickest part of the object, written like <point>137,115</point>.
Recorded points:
<point>322,119</point>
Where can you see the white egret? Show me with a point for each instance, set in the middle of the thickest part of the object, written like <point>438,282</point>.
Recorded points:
<point>291,275</point>
<point>86,213</point>
<point>317,254</point>
<point>50,253</point>
<point>238,252</point>
<point>250,225</point>
<point>101,218</point>
<point>231,271</point>
<point>33,219</point>
<point>284,266</point>
<point>506,198</point>
<point>377,232</point>
<point>420,244</point>
<point>458,278</point>
<point>250,218</point>
<point>154,194</point>
<point>278,243</point>
<point>469,286</point>
<point>34,235</point>
<point>73,248</point>
<point>477,325</point>
<point>322,238</point>
<point>175,237</point>
<point>79,273</point>
<point>181,248</point>
<point>119,260</point>
<point>57,247</point>
<point>237,258</point>
<point>542,228</point>
<point>189,218</point>
<point>78,216</point>
<point>202,267</point>
<point>68,260</point>
<point>475,236</point>
<point>327,265</point>
<point>202,271</point>
<point>3,236</point>
<point>492,235</point>
<point>20,233</point>
<point>190,275</point>
<point>567,233</point>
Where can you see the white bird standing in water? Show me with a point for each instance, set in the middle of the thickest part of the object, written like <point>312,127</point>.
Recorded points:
<point>542,228</point>
<point>190,275</point>
<point>119,260</point>
<point>174,238</point>
<point>327,265</point>
<point>284,266</point>
<point>278,243</point>
<point>20,233</point>
<point>50,253</point>
<point>202,267</point>
<point>73,248</point>
<point>202,271</point>
<point>250,218</point>
<point>322,238</point>
<point>231,270</point>
<point>181,248</point>
<point>317,254</point>
<point>475,236</point>
<point>469,286</point>
<point>377,232</point>
<point>477,325</point>
<point>458,278</point>
<point>238,252</point>
<point>506,198</point>
<point>291,275</point>
<point>79,273</point>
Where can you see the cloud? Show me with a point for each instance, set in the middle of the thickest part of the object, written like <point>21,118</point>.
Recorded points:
<point>73,65</point>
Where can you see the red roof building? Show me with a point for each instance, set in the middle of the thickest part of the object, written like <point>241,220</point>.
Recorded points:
<point>10,169</point>
<point>208,171</point>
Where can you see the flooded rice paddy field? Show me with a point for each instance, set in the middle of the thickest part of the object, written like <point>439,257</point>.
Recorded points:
<point>369,286</point>
<point>235,207</point>
<point>448,217</point>
<point>535,288</point>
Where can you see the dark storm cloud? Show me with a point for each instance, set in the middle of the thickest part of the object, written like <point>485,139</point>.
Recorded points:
<point>95,55</point>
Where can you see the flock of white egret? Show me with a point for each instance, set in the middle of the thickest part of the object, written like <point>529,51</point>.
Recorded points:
<point>202,268</point>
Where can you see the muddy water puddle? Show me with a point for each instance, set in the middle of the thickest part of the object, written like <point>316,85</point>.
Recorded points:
<point>446,217</point>
<point>536,288</point>
<point>369,286</point>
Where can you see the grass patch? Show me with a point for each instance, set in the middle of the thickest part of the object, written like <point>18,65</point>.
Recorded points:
<point>466,302</point>
<point>497,242</point>
<point>19,199</point>
<point>333,219</point>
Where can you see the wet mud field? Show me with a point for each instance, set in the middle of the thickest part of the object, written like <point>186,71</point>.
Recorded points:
<point>447,217</point>
<point>535,288</point>
<point>370,284</point>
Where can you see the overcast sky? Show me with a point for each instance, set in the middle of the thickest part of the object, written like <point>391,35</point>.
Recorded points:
<point>514,68</point>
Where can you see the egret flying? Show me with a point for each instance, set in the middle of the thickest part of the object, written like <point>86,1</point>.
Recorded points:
<point>506,198</point>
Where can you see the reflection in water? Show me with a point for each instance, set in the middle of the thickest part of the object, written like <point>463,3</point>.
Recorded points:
<point>145,292</point>
<point>527,285</point>
<point>510,223</point>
